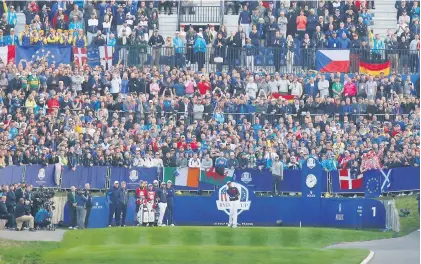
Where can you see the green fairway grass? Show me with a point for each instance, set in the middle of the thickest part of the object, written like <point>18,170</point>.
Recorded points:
<point>184,245</point>
<point>203,245</point>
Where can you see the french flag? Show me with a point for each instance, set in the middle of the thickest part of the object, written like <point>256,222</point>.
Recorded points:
<point>332,60</point>
<point>8,54</point>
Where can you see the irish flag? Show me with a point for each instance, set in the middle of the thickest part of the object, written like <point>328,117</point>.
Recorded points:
<point>212,177</point>
<point>182,176</point>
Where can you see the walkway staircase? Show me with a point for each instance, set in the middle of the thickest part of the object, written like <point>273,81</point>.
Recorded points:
<point>385,17</point>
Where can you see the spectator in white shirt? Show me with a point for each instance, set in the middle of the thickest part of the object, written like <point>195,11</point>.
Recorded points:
<point>251,88</point>
<point>323,86</point>
<point>148,162</point>
<point>296,88</point>
<point>115,85</point>
<point>194,162</point>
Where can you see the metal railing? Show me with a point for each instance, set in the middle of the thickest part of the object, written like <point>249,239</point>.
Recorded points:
<point>269,59</point>
<point>200,14</point>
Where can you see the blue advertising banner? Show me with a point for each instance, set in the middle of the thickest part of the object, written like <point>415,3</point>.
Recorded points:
<point>254,179</point>
<point>39,175</point>
<point>11,174</point>
<point>258,211</point>
<point>133,176</point>
<point>95,176</point>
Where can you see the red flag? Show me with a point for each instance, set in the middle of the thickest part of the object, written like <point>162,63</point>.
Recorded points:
<point>347,183</point>
<point>80,56</point>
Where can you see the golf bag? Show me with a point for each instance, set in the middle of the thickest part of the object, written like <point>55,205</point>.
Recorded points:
<point>148,212</point>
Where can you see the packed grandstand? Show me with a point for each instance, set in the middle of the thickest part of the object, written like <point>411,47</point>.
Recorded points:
<point>261,93</point>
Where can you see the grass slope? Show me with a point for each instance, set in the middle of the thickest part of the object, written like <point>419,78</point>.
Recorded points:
<point>412,221</point>
<point>207,245</point>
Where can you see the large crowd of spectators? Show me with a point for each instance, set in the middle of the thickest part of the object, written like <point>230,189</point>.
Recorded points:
<point>163,116</point>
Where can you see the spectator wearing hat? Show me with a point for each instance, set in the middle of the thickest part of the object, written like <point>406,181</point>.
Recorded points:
<point>179,50</point>
<point>199,49</point>
<point>12,39</point>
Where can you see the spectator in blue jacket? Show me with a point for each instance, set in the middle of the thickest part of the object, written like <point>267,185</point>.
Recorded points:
<point>42,218</point>
<point>199,49</point>
<point>244,20</point>
<point>333,42</point>
<point>179,50</point>
<point>344,42</point>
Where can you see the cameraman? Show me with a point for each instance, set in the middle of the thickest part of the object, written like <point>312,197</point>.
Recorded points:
<point>88,195</point>
<point>42,218</point>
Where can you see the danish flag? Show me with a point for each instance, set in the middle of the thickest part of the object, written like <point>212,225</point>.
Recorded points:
<point>347,182</point>
<point>80,56</point>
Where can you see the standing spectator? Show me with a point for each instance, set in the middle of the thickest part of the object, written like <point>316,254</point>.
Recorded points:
<point>179,50</point>
<point>323,86</point>
<point>199,49</point>
<point>414,55</point>
<point>282,23</point>
<point>371,88</point>
<point>378,47</point>
<point>301,24</point>
<point>71,203</point>
<point>337,88</point>
<point>290,47</point>
<point>244,19</point>
<point>344,42</point>
<point>156,42</point>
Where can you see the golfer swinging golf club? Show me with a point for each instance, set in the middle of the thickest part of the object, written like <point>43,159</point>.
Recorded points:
<point>233,195</point>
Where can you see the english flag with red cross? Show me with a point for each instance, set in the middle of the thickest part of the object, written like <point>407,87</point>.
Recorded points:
<point>350,183</point>
<point>80,56</point>
<point>106,57</point>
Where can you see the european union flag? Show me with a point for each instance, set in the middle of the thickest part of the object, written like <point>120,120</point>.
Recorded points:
<point>372,184</point>
<point>37,54</point>
<point>93,56</point>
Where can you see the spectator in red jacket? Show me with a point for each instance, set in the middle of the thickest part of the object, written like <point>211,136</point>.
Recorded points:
<point>53,104</point>
<point>350,89</point>
<point>203,86</point>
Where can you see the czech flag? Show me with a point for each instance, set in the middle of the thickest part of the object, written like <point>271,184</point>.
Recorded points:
<point>374,67</point>
<point>332,60</point>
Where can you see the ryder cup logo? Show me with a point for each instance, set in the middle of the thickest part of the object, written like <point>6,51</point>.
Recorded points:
<point>311,163</point>
<point>246,177</point>
<point>133,175</point>
<point>223,203</point>
<point>41,174</point>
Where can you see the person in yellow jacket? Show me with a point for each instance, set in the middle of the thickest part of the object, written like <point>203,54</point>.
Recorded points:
<point>52,38</point>
<point>30,102</point>
<point>80,41</point>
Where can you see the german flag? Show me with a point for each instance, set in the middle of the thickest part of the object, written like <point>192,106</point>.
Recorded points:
<point>374,67</point>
